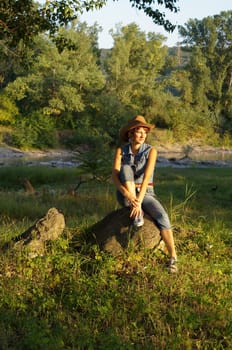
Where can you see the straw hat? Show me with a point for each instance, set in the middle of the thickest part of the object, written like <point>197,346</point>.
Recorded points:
<point>136,122</point>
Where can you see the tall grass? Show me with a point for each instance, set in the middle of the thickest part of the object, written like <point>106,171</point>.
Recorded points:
<point>76,297</point>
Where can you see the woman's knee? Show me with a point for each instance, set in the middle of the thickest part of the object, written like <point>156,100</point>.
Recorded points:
<point>122,200</point>
<point>126,173</point>
<point>157,212</point>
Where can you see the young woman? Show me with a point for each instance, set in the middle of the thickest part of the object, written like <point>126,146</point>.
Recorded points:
<point>132,173</point>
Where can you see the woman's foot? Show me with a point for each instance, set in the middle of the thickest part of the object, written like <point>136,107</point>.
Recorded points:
<point>138,221</point>
<point>172,267</point>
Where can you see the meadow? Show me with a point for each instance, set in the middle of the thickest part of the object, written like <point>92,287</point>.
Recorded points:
<point>77,297</point>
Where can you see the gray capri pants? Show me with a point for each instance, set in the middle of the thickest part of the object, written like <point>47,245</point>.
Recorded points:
<point>150,204</point>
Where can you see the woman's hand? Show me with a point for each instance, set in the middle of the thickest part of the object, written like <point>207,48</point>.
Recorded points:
<point>136,210</point>
<point>135,204</point>
<point>133,200</point>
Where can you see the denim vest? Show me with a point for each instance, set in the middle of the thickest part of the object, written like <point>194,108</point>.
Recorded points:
<point>137,162</point>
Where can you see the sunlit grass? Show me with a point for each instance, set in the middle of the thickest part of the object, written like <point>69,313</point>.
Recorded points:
<point>76,297</point>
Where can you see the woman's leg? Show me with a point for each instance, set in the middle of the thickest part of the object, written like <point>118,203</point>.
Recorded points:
<point>153,208</point>
<point>127,178</point>
<point>168,239</point>
<point>130,186</point>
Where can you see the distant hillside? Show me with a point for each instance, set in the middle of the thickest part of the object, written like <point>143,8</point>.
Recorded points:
<point>182,54</point>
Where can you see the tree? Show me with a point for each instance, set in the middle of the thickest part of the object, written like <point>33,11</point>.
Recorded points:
<point>158,17</point>
<point>134,67</point>
<point>210,66</point>
<point>20,19</point>
<point>23,19</point>
<point>8,110</point>
<point>58,83</point>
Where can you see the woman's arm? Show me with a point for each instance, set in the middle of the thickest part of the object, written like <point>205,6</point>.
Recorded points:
<point>150,166</point>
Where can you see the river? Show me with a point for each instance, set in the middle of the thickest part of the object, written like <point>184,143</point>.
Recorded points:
<point>213,158</point>
<point>64,158</point>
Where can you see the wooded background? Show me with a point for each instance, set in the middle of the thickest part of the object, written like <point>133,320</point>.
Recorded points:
<point>57,85</point>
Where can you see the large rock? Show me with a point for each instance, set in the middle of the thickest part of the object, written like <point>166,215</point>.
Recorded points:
<point>48,228</point>
<point>115,233</point>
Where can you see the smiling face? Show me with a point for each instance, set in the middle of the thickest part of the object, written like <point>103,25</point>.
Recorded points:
<point>138,135</point>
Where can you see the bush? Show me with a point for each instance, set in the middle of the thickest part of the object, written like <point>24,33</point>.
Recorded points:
<point>34,131</point>
<point>8,110</point>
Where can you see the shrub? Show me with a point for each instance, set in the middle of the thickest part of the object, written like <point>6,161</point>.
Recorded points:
<point>34,131</point>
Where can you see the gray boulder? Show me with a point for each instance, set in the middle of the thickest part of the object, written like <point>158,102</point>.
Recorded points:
<point>115,233</point>
<point>48,228</point>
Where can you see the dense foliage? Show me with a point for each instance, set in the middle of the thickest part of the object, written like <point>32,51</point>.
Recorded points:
<point>23,19</point>
<point>62,81</point>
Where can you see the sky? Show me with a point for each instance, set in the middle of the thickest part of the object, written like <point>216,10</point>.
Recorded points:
<point>121,12</point>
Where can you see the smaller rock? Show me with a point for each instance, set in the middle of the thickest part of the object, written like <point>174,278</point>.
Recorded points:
<point>50,227</point>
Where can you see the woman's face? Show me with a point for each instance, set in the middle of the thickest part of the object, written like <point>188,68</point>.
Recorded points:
<point>138,135</point>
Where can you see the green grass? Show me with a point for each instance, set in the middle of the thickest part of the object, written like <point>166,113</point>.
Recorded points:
<point>76,297</point>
